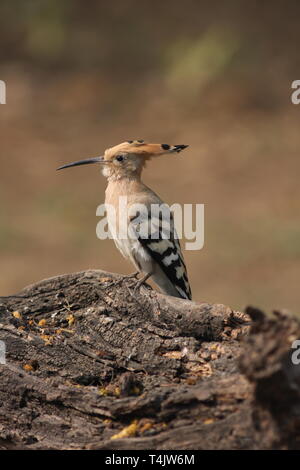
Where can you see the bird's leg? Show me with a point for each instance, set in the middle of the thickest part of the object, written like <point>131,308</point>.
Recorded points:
<point>141,281</point>
<point>137,284</point>
<point>126,276</point>
<point>132,275</point>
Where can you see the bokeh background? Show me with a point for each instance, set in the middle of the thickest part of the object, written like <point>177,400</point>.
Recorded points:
<point>82,76</point>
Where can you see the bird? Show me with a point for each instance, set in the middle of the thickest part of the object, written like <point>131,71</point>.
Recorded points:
<point>156,255</point>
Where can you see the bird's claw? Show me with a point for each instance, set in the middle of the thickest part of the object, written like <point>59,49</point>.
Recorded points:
<point>138,284</point>
<point>132,275</point>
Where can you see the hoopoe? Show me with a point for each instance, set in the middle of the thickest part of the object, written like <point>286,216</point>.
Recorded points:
<point>157,255</point>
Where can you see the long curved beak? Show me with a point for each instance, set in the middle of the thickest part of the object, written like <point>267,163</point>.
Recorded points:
<point>87,161</point>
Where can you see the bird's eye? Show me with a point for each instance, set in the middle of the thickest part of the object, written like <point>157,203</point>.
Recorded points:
<point>120,158</point>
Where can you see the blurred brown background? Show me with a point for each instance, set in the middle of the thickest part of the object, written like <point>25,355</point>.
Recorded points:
<point>82,76</point>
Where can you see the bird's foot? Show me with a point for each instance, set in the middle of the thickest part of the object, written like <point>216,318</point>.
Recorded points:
<point>138,284</point>
<point>132,278</point>
<point>141,282</point>
<point>132,275</point>
<point>126,276</point>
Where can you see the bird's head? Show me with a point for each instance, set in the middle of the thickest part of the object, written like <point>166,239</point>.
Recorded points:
<point>127,159</point>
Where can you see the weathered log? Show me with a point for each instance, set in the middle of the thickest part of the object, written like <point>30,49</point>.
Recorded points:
<point>91,364</point>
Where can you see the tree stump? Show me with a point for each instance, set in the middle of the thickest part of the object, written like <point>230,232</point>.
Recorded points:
<point>91,364</point>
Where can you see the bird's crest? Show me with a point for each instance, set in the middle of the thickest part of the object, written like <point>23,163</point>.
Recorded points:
<point>143,149</point>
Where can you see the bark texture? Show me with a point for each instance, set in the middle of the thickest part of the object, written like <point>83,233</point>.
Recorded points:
<point>92,364</point>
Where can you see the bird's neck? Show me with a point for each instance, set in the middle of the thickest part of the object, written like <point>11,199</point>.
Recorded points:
<point>128,173</point>
<point>124,186</point>
<point>123,178</point>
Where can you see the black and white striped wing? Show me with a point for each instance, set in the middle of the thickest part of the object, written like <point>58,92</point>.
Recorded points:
<point>157,235</point>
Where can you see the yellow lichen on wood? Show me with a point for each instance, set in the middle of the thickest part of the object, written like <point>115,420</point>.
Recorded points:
<point>148,425</point>
<point>17,314</point>
<point>129,431</point>
<point>71,319</point>
<point>209,421</point>
<point>173,354</point>
<point>48,339</point>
